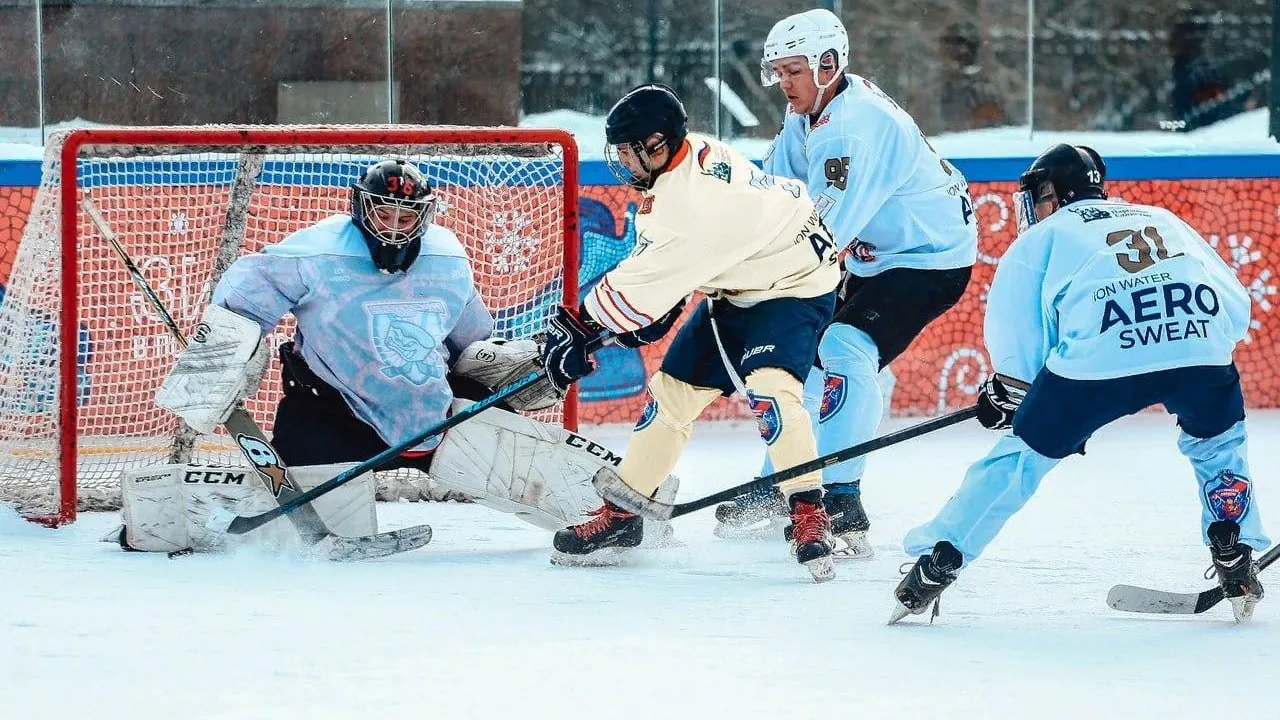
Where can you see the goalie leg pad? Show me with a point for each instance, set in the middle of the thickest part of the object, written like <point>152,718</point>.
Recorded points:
<point>221,365</point>
<point>166,507</point>
<point>540,473</point>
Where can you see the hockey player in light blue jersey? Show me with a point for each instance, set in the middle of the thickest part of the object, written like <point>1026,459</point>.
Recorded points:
<point>1099,310</point>
<point>904,217</point>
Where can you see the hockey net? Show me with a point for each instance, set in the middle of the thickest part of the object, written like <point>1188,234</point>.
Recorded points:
<point>81,351</point>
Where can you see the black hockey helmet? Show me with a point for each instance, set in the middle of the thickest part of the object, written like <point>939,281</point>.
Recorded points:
<point>1063,174</point>
<point>394,242</point>
<point>641,113</point>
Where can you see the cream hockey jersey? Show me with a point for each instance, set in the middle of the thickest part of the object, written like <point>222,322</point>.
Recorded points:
<point>716,223</point>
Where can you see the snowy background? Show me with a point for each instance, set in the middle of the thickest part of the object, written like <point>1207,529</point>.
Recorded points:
<point>1246,133</point>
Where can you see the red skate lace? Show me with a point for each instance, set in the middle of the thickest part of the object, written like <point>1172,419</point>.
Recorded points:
<point>808,523</point>
<point>602,517</point>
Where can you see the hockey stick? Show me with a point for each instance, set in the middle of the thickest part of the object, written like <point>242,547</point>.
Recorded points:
<point>241,426</point>
<point>224,521</point>
<point>611,486</point>
<point>1129,598</point>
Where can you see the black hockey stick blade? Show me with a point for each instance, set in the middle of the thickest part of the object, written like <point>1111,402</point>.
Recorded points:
<point>1129,598</point>
<point>225,521</point>
<point>611,486</point>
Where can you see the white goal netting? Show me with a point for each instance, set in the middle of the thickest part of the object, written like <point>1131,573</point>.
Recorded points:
<point>185,204</point>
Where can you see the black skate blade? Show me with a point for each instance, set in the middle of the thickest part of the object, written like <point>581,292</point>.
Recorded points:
<point>604,557</point>
<point>613,488</point>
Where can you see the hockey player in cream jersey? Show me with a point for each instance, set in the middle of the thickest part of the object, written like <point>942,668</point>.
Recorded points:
<point>709,221</point>
<point>1102,308</point>
<point>903,216</point>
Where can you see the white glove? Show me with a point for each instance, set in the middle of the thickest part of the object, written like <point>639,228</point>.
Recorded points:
<point>497,362</point>
<point>222,364</point>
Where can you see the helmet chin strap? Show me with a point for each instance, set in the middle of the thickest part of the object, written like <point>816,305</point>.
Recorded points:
<point>822,88</point>
<point>646,159</point>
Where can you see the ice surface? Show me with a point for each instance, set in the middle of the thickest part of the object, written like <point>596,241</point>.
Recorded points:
<point>479,625</point>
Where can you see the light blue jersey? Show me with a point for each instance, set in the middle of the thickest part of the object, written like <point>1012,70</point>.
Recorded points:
<point>894,203</point>
<point>1122,297</point>
<point>1106,289</point>
<point>880,187</point>
<point>383,341</point>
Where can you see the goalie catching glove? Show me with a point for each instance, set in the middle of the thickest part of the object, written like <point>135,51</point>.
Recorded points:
<point>221,365</point>
<point>496,363</point>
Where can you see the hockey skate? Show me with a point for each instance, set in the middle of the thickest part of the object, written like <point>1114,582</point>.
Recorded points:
<point>1234,566</point>
<point>809,535</point>
<point>610,533</point>
<point>751,517</point>
<point>925,582</point>
<point>849,524</point>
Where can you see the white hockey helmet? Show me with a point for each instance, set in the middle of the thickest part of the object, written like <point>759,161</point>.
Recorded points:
<point>809,34</point>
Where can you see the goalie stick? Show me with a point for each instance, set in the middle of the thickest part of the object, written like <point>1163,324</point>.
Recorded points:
<point>1129,598</point>
<point>611,486</point>
<point>223,520</point>
<point>242,428</point>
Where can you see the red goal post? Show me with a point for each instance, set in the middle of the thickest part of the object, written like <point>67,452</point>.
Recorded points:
<point>185,202</point>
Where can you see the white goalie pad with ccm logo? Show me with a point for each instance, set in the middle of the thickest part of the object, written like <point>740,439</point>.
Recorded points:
<point>166,506</point>
<point>538,472</point>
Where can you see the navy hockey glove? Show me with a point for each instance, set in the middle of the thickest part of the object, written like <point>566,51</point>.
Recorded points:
<point>999,400</point>
<point>651,333</point>
<point>564,356</point>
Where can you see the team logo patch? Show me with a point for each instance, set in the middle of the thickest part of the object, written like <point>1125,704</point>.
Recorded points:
<point>863,251</point>
<point>1227,495</point>
<point>404,334</point>
<point>267,463</point>
<point>648,414</point>
<point>768,419</point>
<point>833,394</point>
<point>718,169</point>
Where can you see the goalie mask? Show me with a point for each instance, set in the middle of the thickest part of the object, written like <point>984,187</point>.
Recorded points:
<point>1063,174</point>
<point>641,114</point>
<point>392,205</point>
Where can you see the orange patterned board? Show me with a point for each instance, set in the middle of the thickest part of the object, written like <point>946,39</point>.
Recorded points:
<point>942,368</point>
